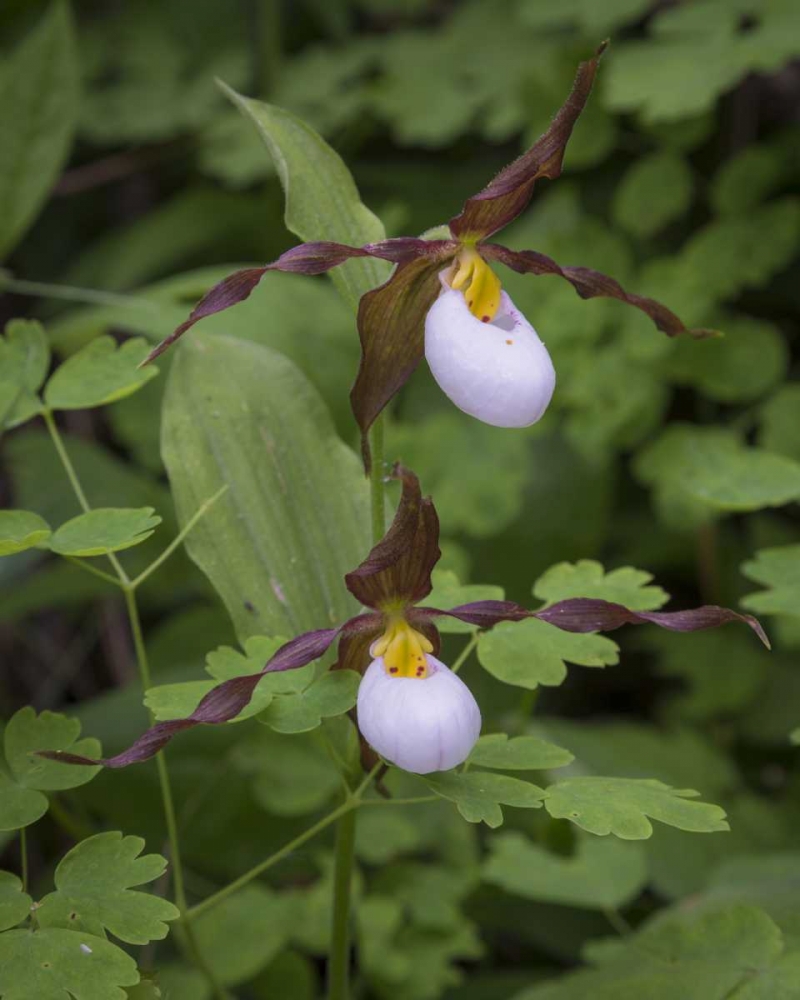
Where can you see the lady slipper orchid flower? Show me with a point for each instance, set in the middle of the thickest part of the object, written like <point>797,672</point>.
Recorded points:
<point>444,300</point>
<point>411,708</point>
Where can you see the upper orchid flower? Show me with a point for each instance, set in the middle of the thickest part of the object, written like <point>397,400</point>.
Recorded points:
<point>412,709</point>
<point>445,301</point>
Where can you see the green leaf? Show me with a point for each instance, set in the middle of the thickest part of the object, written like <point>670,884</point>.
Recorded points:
<point>382,835</point>
<point>27,732</point>
<point>290,775</point>
<point>24,360</point>
<point>694,956</point>
<point>587,578</point>
<point>520,753</point>
<point>780,418</point>
<point>533,652</point>
<point>54,963</point>
<point>38,109</point>
<point>19,807</point>
<point>448,592</point>
<point>479,794</point>
<point>104,530</point>
<point>654,191</point>
<point>322,201</point>
<point>294,520</point>
<point>621,806</point>
<point>601,874</point>
<point>243,933</point>
<point>93,883</point>
<point>737,368</point>
<point>147,989</point>
<point>177,701</point>
<point>334,693</point>
<point>707,469</point>
<point>100,373</point>
<point>777,569</point>
<point>20,530</point>
<point>15,905</point>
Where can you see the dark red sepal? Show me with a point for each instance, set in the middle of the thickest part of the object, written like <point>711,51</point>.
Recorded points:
<point>397,572</point>
<point>391,327</point>
<point>484,614</point>
<point>591,284</point>
<point>502,200</point>
<point>226,700</point>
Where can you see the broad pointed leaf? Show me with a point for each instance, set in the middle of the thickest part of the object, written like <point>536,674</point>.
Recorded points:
<point>38,111</point>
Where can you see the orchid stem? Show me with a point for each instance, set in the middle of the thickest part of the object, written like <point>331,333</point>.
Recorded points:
<point>339,960</point>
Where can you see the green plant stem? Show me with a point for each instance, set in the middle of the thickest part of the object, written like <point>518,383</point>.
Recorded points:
<point>416,800</point>
<point>168,803</point>
<point>339,958</point>
<point>339,961</point>
<point>88,568</point>
<point>23,858</point>
<point>72,475</point>
<point>273,859</point>
<point>464,654</point>
<point>179,538</point>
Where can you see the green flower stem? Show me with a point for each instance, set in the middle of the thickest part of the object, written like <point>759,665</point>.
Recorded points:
<point>339,958</point>
<point>23,858</point>
<point>273,859</point>
<point>179,538</point>
<point>463,656</point>
<point>339,961</point>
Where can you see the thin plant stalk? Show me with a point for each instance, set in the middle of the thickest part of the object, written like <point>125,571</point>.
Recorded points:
<point>339,959</point>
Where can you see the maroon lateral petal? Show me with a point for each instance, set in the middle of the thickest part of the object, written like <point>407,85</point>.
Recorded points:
<point>484,614</point>
<point>586,614</point>
<point>391,326</point>
<point>591,284</point>
<point>397,571</point>
<point>225,701</point>
<point>307,258</point>
<point>502,200</point>
<point>589,614</point>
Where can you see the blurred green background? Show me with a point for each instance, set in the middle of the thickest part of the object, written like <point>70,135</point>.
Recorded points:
<point>681,181</point>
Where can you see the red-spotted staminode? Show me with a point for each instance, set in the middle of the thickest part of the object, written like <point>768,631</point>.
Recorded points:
<point>411,708</point>
<point>444,301</point>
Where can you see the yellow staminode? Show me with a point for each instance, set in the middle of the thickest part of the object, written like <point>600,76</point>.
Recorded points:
<point>403,650</point>
<point>479,283</point>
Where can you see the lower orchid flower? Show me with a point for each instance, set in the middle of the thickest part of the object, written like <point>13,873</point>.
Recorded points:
<point>445,302</point>
<point>412,709</point>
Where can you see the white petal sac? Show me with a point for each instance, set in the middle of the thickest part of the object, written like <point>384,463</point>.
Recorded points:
<point>499,372</point>
<point>421,725</point>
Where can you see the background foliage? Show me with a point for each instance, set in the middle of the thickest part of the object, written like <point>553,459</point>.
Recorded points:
<point>126,173</point>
